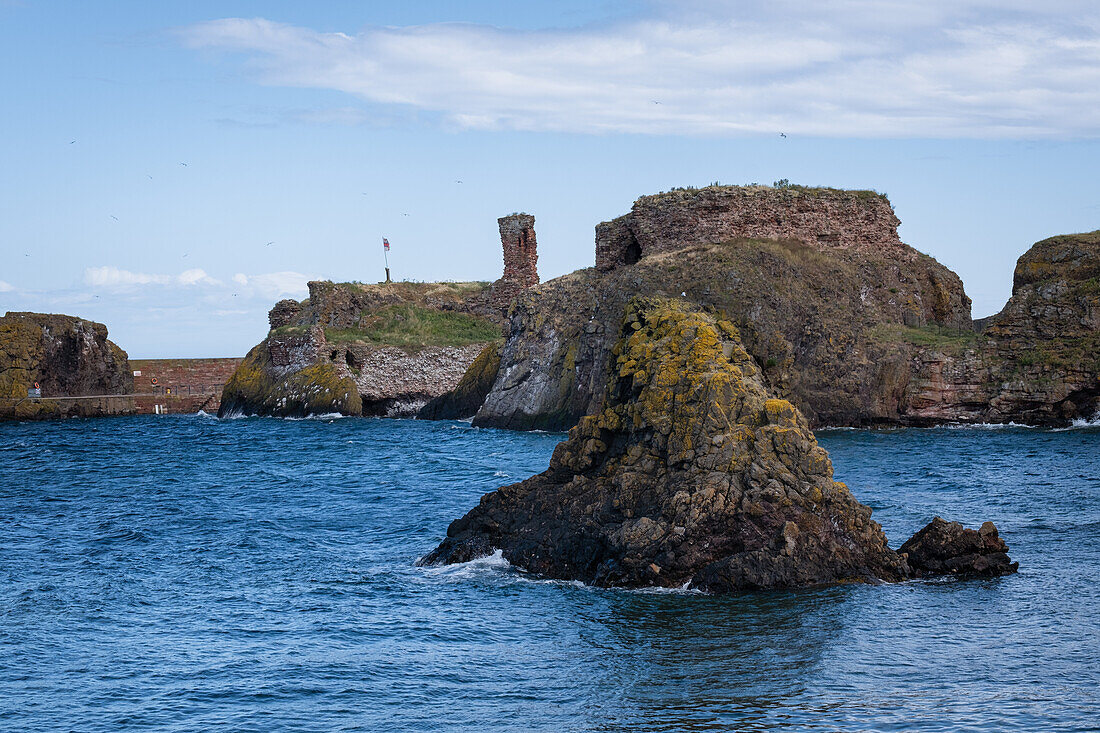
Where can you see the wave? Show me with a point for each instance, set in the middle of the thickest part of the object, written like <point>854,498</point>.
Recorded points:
<point>240,415</point>
<point>1082,423</point>
<point>495,565</point>
<point>989,426</point>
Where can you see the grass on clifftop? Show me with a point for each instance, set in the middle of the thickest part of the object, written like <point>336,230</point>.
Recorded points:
<point>933,336</point>
<point>410,325</point>
<point>416,291</point>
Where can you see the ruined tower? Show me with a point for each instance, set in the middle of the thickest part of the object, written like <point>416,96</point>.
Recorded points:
<point>517,236</point>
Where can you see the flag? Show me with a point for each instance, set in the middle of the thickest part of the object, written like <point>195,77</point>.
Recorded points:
<point>386,244</point>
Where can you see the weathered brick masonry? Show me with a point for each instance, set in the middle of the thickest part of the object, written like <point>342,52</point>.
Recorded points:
<point>822,218</point>
<point>517,236</point>
<point>182,385</point>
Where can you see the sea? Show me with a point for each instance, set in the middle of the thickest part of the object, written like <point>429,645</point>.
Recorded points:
<point>185,573</point>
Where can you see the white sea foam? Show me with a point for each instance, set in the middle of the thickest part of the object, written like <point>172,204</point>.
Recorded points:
<point>1081,423</point>
<point>496,565</point>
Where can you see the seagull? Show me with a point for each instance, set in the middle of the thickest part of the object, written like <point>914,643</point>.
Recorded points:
<point>655,101</point>
<point>71,142</point>
<point>114,217</point>
<point>269,244</point>
<point>403,214</point>
<point>234,295</point>
<point>458,181</point>
<point>183,164</point>
<point>782,134</point>
<point>183,256</point>
<point>148,176</point>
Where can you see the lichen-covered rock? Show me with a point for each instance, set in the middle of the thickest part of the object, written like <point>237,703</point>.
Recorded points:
<point>284,377</point>
<point>465,399</point>
<point>688,474</point>
<point>947,548</point>
<point>68,357</point>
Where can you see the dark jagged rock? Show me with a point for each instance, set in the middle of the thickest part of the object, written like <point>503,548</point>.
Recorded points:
<point>465,399</point>
<point>68,357</point>
<point>947,548</point>
<point>689,473</point>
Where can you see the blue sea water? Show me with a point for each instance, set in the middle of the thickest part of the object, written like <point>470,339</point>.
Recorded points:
<point>185,573</point>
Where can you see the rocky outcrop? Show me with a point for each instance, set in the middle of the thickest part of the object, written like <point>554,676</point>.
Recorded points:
<point>824,218</point>
<point>847,322</point>
<point>464,400</point>
<point>517,237</point>
<point>68,358</point>
<point>377,350</point>
<point>947,548</point>
<point>689,474</point>
<point>827,324</point>
<point>1035,362</point>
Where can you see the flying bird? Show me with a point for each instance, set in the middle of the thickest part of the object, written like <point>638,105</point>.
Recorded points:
<point>114,217</point>
<point>655,101</point>
<point>458,181</point>
<point>183,164</point>
<point>782,134</point>
<point>148,176</point>
<point>403,214</point>
<point>71,142</point>
<point>269,244</point>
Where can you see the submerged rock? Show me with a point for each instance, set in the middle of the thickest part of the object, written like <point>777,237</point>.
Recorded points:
<point>947,548</point>
<point>689,474</point>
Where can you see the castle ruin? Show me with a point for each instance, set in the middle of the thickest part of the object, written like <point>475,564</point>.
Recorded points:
<point>822,218</point>
<point>517,237</point>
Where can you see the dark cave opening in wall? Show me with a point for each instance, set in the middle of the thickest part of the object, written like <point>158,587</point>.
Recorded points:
<point>633,252</point>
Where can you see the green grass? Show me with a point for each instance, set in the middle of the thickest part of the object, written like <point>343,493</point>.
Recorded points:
<point>411,325</point>
<point>933,336</point>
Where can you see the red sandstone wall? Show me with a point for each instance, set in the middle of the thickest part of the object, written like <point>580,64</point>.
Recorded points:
<point>822,218</point>
<point>517,237</point>
<point>183,385</point>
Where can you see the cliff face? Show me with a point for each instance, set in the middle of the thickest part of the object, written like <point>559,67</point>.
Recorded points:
<point>828,320</point>
<point>1035,362</point>
<point>378,350</point>
<point>692,474</point>
<point>68,357</point>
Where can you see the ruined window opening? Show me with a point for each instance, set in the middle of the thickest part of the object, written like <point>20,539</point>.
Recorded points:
<point>633,252</point>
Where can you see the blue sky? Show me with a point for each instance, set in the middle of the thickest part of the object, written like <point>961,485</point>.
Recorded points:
<point>321,127</point>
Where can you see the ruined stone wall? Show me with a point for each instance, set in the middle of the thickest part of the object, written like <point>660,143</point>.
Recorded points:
<point>517,236</point>
<point>822,218</point>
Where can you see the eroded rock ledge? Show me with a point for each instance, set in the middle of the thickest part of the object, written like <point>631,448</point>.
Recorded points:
<point>689,474</point>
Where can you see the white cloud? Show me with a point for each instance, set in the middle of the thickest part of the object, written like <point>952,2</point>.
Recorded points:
<point>969,68</point>
<point>275,284</point>
<point>196,277</point>
<point>109,276</point>
<point>5,287</point>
